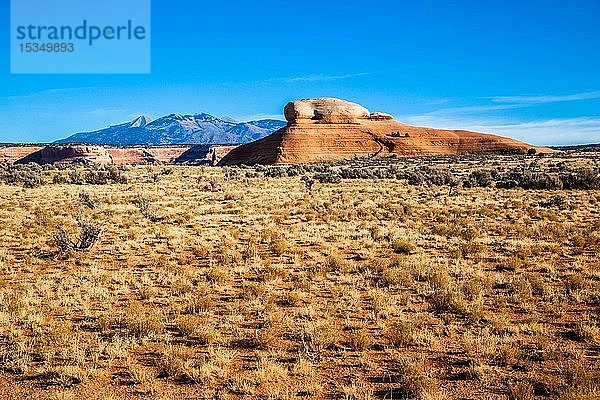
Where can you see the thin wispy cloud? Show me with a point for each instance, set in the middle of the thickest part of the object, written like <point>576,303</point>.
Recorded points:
<point>556,131</point>
<point>107,111</point>
<point>542,99</point>
<point>473,109</point>
<point>553,131</point>
<point>256,117</point>
<point>317,78</point>
<point>47,92</point>
<point>502,103</point>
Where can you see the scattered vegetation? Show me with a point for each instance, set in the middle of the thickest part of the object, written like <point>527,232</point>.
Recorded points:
<point>449,171</point>
<point>428,281</point>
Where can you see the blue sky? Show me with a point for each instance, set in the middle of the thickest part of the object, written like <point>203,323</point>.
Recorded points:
<point>529,71</point>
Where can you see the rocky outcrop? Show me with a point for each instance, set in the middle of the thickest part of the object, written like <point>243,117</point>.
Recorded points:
<point>324,111</point>
<point>69,154</point>
<point>203,154</point>
<point>146,155</point>
<point>81,153</point>
<point>321,130</point>
<point>131,155</point>
<point>379,116</point>
<point>167,154</point>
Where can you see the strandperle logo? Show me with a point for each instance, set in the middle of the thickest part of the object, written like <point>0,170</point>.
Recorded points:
<point>80,36</point>
<point>85,31</point>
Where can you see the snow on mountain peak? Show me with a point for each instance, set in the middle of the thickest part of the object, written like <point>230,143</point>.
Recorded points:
<point>200,128</point>
<point>140,122</point>
<point>229,119</point>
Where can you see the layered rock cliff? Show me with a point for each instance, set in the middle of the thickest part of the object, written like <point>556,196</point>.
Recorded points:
<point>69,153</point>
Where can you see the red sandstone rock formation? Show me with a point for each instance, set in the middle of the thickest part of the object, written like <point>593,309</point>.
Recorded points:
<point>168,155</point>
<point>204,154</point>
<point>321,130</point>
<point>69,153</point>
<point>146,155</point>
<point>131,155</point>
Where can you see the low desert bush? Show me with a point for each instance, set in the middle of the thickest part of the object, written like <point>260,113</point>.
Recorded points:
<point>198,328</point>
<point>554,201</point>
<point>431,177</point>
<point>26,175</point>
<point>265,335</point>
<point>197,303</point>
<point>335,263</point>
<point>216,275</point>
<point>91,231</point>
<point>329,177</point>
<point>581,178</point>
<point>91,175</point>
<point>278,246</point>
<point>478,178</point>
<point>86,200</point>
<point>15,358</point>
<point>143,205</point>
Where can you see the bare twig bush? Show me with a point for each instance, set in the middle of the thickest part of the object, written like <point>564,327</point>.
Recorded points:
<point>91,231</point>
<point>143,205</point>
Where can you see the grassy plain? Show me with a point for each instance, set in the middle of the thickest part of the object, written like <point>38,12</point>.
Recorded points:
<point>221,283</point>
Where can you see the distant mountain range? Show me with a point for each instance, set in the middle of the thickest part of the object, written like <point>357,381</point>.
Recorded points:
<point>179,129</point>
<point>578,147</point>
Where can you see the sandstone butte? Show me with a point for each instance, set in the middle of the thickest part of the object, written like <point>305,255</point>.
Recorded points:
<point>329,129</point>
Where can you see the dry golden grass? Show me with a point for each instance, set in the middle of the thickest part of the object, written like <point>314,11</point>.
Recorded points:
<point>204,287</point>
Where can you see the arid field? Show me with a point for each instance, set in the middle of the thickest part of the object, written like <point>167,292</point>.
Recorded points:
<point>427,278</point>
